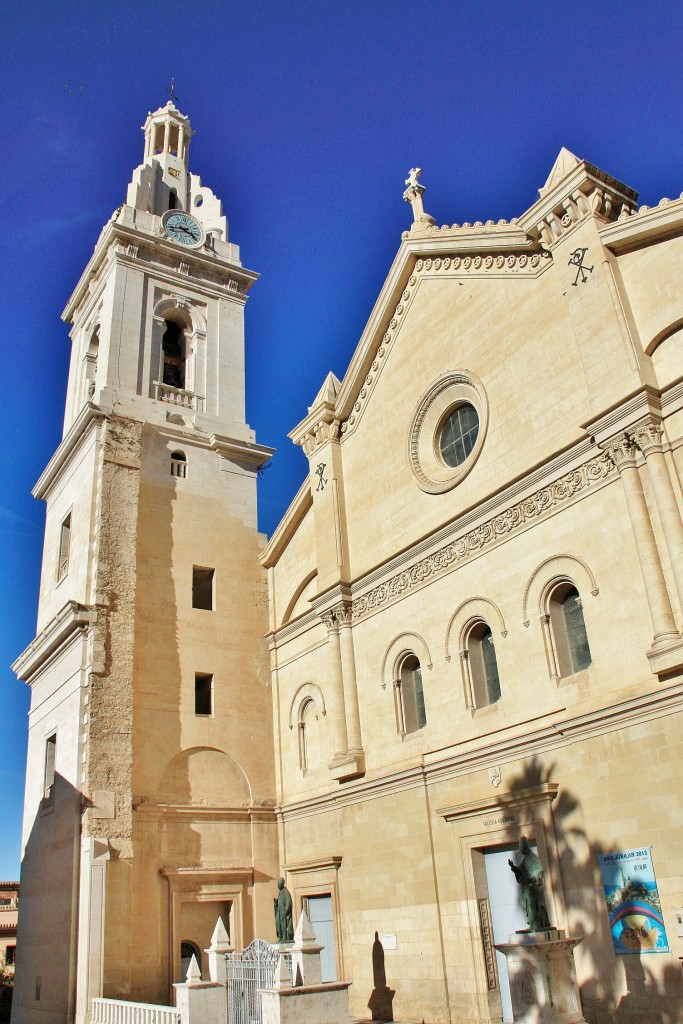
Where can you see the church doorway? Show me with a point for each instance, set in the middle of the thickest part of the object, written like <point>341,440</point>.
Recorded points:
<point>319,912</point>
<point>506,911</point>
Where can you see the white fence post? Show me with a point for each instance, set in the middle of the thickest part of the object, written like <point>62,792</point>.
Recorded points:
<point>220,945</point>
<point>200,1002</point>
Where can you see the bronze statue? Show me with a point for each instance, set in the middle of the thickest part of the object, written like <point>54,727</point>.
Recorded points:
<point>529,874</point>
<point>284,925</point>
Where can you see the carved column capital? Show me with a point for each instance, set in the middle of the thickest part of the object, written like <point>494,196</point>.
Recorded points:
<point>647,435</point>
<point>343,614</point>
<point>621,450</point>
<point>330,621</point>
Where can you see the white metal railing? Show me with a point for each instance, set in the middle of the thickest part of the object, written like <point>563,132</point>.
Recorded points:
<point>177,396</point>
<point>118,1011</point>
<point>248,972</point>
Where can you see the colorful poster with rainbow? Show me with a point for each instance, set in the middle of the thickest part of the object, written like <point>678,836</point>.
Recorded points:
<point>635,913</point>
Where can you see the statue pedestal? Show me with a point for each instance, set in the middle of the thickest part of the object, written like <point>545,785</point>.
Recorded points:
<point>542,975</point>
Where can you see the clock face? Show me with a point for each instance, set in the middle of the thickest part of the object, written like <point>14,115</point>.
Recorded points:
<point>183,228</point>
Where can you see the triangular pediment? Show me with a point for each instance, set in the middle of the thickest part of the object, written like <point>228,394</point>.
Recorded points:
<point>566,163</point>
<point>327,393</point>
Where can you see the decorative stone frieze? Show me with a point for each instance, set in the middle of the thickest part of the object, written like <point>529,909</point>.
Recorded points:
<point>488,533</point>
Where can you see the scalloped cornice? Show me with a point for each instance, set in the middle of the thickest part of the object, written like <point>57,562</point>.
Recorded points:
<point>642,226</point>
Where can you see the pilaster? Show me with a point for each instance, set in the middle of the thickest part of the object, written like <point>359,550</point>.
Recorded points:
<point>647,434</point>
<point>622,451</point>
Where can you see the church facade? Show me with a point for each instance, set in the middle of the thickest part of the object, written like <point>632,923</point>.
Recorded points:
<point>476,601</point>
<point>473,609</point>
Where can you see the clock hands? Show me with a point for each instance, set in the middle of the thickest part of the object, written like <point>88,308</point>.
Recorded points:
<point>186,231</point>
<point>182,228</point>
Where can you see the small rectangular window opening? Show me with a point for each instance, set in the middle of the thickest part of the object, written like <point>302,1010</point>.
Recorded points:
<point>64,544</point>
<point>50,756</point>
<point>203,694</point>
<point>11,955</point>
<point>202,588</point>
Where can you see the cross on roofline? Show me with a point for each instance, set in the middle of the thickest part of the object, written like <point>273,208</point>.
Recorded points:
<point>172,94</point>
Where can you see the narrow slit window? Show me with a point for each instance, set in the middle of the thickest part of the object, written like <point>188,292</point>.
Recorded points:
<point>203,694</point>
<point>50,757</point>
<point>202,588</point>
<point>64,546</point>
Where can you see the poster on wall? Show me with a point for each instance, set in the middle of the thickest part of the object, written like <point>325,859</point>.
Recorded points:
<point>635,913</point>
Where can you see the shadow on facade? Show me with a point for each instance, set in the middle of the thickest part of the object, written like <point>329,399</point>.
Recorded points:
<point>619,989</point>
<point>381,999</point>
<point>48,910</point>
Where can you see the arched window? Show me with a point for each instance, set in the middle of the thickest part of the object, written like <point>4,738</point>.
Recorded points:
<point>173,347</point>
<point>91,357</point>
<point>309,736</point>
<point>479,657</point>
<point>178,464</point>
<point>411,710</point>
<point>172,199</point>
<point>570,648</point>
<point>187,951</point>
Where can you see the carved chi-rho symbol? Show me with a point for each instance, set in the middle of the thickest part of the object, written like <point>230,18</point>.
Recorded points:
<point>576,260</point>
<point>321,479</point>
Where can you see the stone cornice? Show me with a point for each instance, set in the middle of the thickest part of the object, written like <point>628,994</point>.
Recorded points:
<point>295,627</point>
<point>476,755</point>
<point>646,400</point>
<point>240,451</point>
<point>132,239</point>
<point>585,190</point>
<point>322,864</point>
<point>90,415</point>
<point>71,617</point>
<point>200,812</point>
<point>642,226</point>
<point>319,426</point>
<point>545,792</point>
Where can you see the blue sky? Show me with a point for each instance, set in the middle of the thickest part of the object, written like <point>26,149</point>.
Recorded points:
<point>308,116</point>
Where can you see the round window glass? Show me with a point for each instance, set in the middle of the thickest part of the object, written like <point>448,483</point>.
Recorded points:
<point>458,435</point>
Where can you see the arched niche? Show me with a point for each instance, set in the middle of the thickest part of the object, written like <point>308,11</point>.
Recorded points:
<point>299,602</point>
<point>666,352</point>
<point>206,777</point>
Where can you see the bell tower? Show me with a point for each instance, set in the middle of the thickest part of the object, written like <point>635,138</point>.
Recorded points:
<point>150,788</point>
